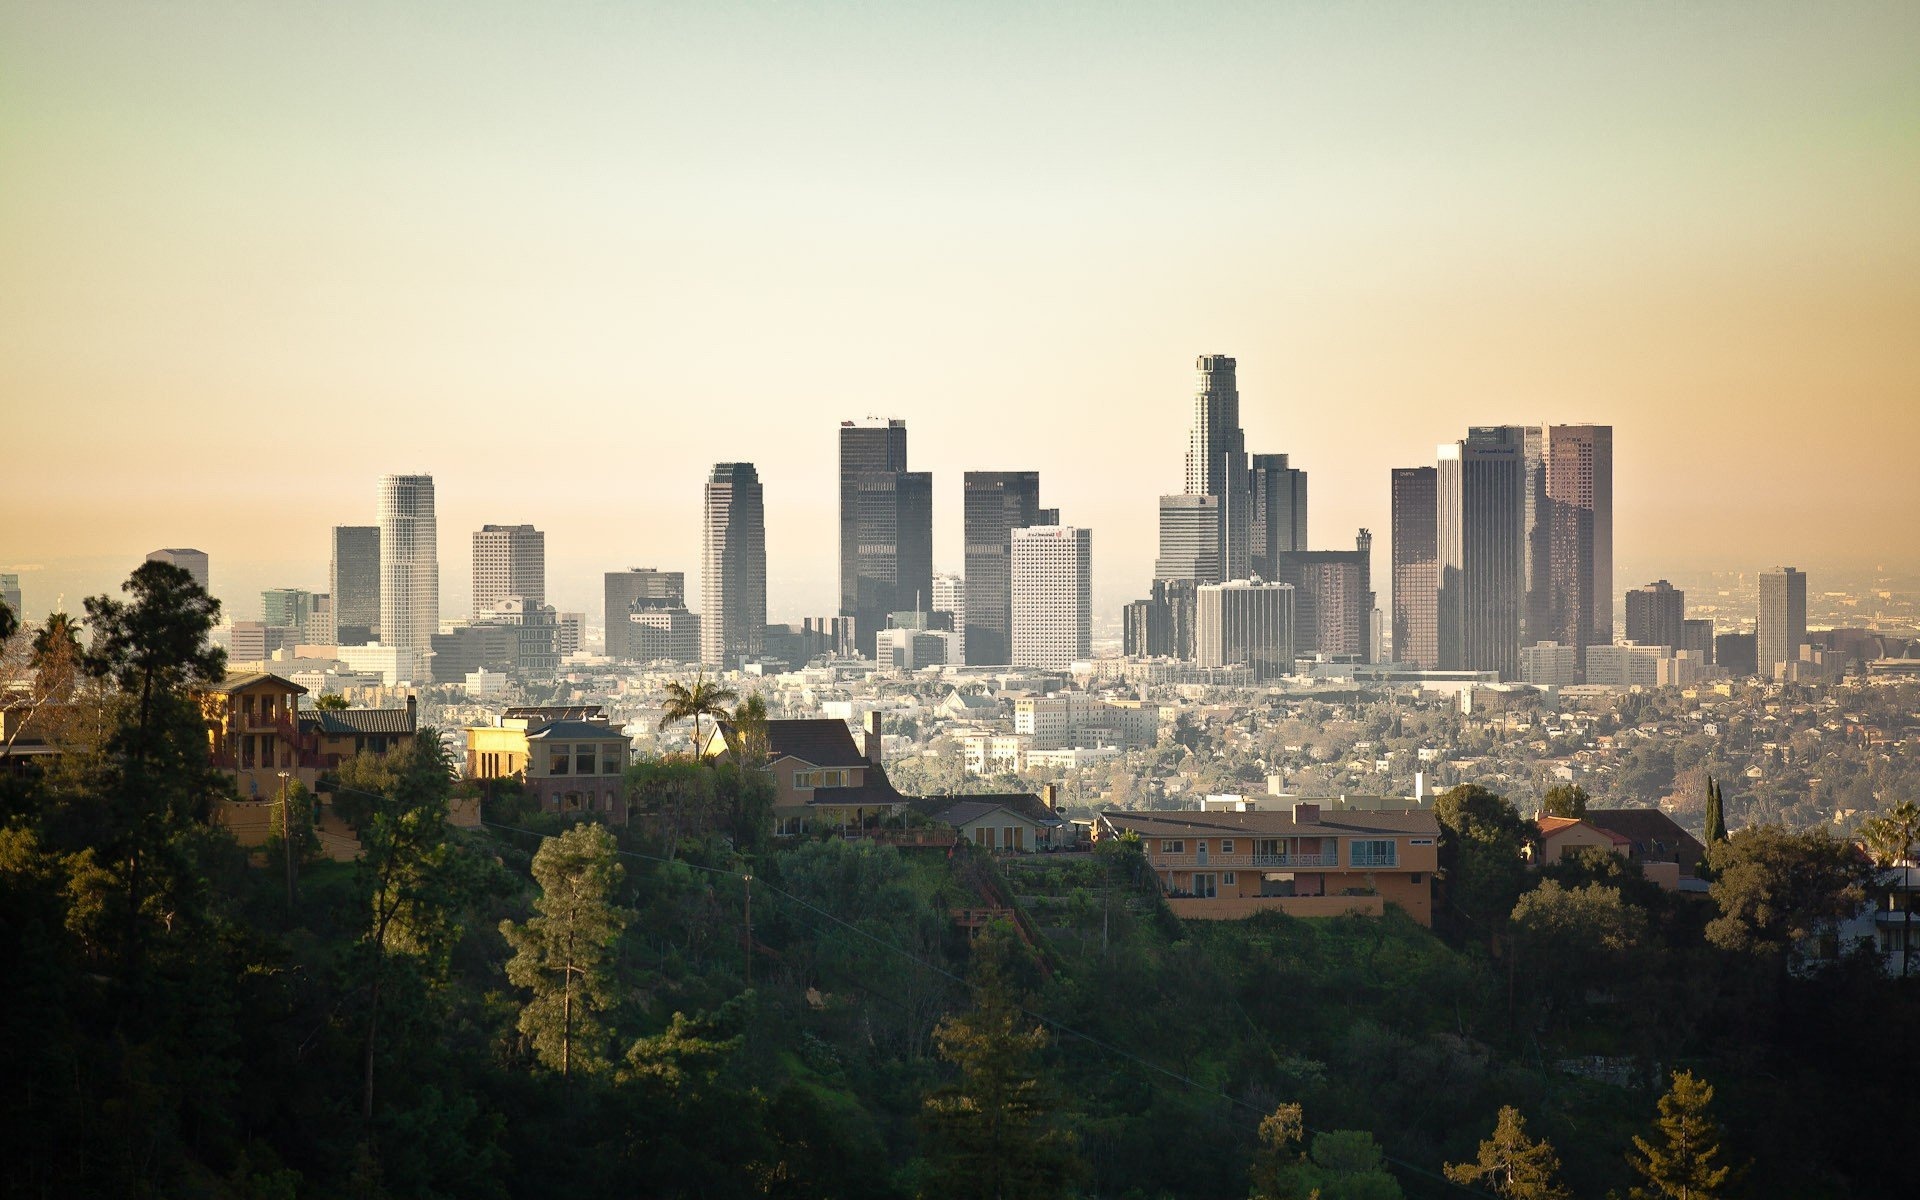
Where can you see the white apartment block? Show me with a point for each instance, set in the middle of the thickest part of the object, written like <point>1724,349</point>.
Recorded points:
<point>1550,664</point>
<point>1052,596</point>
<point>508,561</point>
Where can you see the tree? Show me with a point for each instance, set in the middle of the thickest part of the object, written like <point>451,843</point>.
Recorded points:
<point>747,740</point>
<point>40,677</point>
<point>1343,1164</point>
<point>1512,1164</point>
<point>1778,890</point>
<point>1890,838</point>
<point>1716,823</point>
<point>9,621</point>
<point>1569,941</point>
<point>564,955</point>
<point>990,1133</point>
<point>1482,846</point>
<point>1564,800</point>
<point>1681,1164</point>
<point>331,702</point>
<point>695,703</point>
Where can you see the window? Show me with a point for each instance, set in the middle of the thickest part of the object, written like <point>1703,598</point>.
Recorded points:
<point>1381,853</point>
<point>557,761</point>
<point>819,779</point>
<point>1176,846</point>
<point>1227,879</point>
<point>610,763</point>
<point>1226,845</point>
<point>583,759</point>
<point>1203,886</point>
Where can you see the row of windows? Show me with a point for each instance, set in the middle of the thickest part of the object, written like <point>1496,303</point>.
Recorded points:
<point>1373,852</point>
<point>583,759</point>
<point>837,777</point>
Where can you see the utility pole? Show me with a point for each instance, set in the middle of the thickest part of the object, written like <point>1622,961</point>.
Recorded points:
<point>286,837</point>
<point>749,968</point>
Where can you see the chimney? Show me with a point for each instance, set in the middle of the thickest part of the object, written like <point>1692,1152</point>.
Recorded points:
<point>413,712</point>
<point>1306,814</point>
<point>1048,797</point>
<point>1419,789</point>
<point>872,747</point>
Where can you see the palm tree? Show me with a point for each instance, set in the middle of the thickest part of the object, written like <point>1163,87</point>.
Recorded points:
<point>704,699</point>
<point>1890,838</point>
<point>748,741</point>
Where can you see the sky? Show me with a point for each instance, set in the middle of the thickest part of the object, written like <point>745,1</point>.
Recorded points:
<point>566,256</point>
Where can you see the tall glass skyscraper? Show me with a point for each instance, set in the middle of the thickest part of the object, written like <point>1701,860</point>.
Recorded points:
<point>354,577</point>
<point>409,563</point>
<point>886,527</point>
<point>996,503</point>
<point>1480,526</point>
<point>733,577</point>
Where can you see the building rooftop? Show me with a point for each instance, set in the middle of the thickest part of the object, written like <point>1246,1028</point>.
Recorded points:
<point>1187,823</point>
<point>816,741</point>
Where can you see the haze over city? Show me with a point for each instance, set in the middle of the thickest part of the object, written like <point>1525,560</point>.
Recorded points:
<point>565,259</point>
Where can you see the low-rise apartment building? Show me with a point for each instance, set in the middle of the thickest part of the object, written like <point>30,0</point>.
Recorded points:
<point>1306,863</point>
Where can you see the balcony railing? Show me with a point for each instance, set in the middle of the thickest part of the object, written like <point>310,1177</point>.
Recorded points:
<point>1296,860</point>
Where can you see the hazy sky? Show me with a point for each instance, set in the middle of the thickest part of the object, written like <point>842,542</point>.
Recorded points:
<point>566,256</point>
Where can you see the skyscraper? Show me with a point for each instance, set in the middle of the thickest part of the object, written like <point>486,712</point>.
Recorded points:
<point>193,562</point>
<point>950,597</point>
<point>733,577</point>
<point>1052,596</point>
<point>354,576</point>
<point>409,564</point>
<point>1480,515</point>
<point>1242,623</point>
<point>1782,628</point>
<point>1578,607</point>
<point>1656,615</point>
<point>1279,520</point>
<point>1217,459</point>
<point>1189,540</point>
<point>508,561</point>
<point>1332,599</point>
<point>10,596</point>
<point>886,527</point>
<point>996,504</point>
<point>1416,568</point>
<point>286,608</point>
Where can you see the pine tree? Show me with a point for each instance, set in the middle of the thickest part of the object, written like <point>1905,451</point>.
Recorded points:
<point>564,955</point>
<point>1512,1164</point>
<point>1716,827</point>
<point>1682,1165</point>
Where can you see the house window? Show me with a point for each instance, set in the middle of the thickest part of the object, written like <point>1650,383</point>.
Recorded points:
<point>583,760</point>
<point>1381,853</point>
<point>610,763</point>
<point>1176,846</point>
<point>1228,879</point>
<point>557,760</point>
<point>1204,886</point>
<point>1226,845</point>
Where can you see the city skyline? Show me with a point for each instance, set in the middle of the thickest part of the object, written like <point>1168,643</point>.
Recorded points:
<point>1724,248</point>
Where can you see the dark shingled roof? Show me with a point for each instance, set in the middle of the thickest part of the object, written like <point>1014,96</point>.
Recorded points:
<point>234,683</point>
<point>357,720</point>
<point>971,807</point>
<point>875,790</point>
<point>1655,836</point>
<point>816,741</point>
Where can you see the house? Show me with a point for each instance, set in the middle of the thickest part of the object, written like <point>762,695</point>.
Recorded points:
<point>1564,837</point>
<point>1666,853</point>
<point>253,734</point>
<point>339,734</point>
<point>1306,863</point>
<point>1015,821</point>
<point>571,760</point>
<point>821,778</point>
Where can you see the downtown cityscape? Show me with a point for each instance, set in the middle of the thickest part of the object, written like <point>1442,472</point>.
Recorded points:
<point>1366,643</point>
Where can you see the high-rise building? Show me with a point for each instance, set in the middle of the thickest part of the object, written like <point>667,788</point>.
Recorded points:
<point>1696,637</point>
<point>996,504</point>
<point>1536,622</point>
<point>354,576</point>
<point>1656,615</point>
<point>634,589</point>
<point>1279,516</point>
<point>1782,628</point>
<point>1480,510</point>
<point>409,563</point>
<point>1143,625</point>
<point>1332,599</point>
<point>193,562</point>
<point>10,596</point>
<point>1052,596</point>
<point>733,577</point>
<point>1416,568</point>
<point>508,561</point>
<point>1217,459</point>
<point>1189,539</point>
<point>886,527</point>
<point>1578,607</point>
<point>572,637</point>
<point>286,608</point>
<point>950,597</point>
<point>1242,623</point>
<point>1737,653</point>
<point>1549,664</point>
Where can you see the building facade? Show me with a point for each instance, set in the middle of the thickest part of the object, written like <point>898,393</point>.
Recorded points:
<point>1332,599</point>
<point>632,590</point>
<point>193,562</point>
<point>886,527</point>
<point>1416,568</point>
<point>1656,615</point>
<point>353,573</point>
<point>409,563</point>
<point>508,561</point>
<point>1782,627</point>
<point>1052,601</point>
<point>1279,515</point>
<point>950,597</point>
<point>1480,514</point>
<point>1242,623</point>
<point>995,504</point>
<point>1579,499</point>
<point>733,580</point>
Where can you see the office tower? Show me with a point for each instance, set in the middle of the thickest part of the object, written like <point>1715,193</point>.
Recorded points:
<point>1332,599</point>
<point>733,577</point>
<point>1143,625</point>
<point>508,561</point>
<point>663,635</point>
<point>996,504</point>
<point>573,633</point>
<point>10,596</point>
<point>1782,628</point>
<point>1416,568</point>
<point>886,527</point>
<point>950,597</point>
<point>1217,459</point>
<point>1480,509</point>
<point>354,577</point>
<point>1279,520</point>
<point>318,629</point>
<point>286,608</point>
<point>409,563</point>
<point>1549,664</point>
<point>634,589</point>
<point>1052,596</point>
<point>536,634</point>
<point>484,645</point>
<point>193,562</point>
<point>1737,653</point>
<point>251,641</point>
<point>1696,635</point>
<point>1189,539</point>
<point>1656,615</point>
<point>1242,623</point>
<point>1536,623</point>
<point>1579,500</point>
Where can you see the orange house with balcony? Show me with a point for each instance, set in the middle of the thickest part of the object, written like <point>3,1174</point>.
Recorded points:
<point>1229,865</point>
<point>253,734</point>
